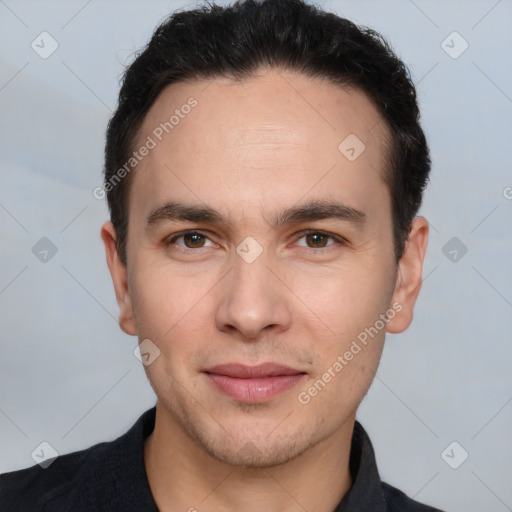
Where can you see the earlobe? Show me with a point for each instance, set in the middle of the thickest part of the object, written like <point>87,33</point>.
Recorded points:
<point>409,275</point>
<point>119,279</point>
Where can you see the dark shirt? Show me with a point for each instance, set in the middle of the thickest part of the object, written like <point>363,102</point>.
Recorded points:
<point>111,476</point>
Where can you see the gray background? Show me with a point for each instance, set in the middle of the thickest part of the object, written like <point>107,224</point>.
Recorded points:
<point>68,375</point>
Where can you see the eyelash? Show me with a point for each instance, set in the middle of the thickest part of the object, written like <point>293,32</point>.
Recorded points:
<point>339,240</point>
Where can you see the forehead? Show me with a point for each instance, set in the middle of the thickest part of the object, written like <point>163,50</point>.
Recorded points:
<point>277,133</point>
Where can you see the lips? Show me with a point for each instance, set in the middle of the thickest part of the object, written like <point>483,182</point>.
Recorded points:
<point>253,384</point>
<point>241,371</point>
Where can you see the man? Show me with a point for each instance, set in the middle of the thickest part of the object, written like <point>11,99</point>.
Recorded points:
<point>263,171</point>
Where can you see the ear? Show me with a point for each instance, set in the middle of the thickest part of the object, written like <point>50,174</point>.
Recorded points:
<point>409,275</point>
<point>119,279</point>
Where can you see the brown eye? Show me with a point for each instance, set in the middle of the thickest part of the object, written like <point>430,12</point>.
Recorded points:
<point>190,240</point>
<point>193,240</point>
<point>316,240</point>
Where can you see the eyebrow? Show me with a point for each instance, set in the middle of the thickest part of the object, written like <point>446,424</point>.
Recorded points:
<point>310,212</point>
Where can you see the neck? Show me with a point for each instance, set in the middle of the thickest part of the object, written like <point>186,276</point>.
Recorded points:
<point>184,477</point>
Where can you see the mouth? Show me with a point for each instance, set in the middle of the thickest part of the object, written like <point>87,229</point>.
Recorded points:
<point>253,384</point>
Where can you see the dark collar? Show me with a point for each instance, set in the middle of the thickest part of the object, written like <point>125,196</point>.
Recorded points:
<point>125,463</point>
<point>116,478</point>
<point>366,490</point>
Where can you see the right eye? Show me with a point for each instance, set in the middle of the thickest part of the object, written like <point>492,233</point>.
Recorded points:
<point>189,240</point>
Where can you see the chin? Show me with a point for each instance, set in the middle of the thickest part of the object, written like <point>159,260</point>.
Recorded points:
<point>247,437</point>
<point>252,456</point>
<point>257,445</point>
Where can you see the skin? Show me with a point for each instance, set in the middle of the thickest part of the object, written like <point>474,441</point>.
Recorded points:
<point>250,150</point>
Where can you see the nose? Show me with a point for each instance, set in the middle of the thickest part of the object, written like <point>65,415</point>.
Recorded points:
<point>254,300</point>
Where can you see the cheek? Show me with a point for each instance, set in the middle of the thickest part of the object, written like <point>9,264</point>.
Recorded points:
<point>344,300</point>
<point>340,391</point>
<point>163,300</point>
<point>175,314</point>
<point>346,368</point>
<point>347,331</point>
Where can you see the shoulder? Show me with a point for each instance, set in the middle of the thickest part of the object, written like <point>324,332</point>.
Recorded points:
<point>107,476</point>
<point>368,491</point>
<point>34,487</point>
<point>397,501</point>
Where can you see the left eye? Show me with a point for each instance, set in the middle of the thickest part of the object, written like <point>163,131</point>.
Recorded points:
<point>316,239</point>
<point>191,240</point>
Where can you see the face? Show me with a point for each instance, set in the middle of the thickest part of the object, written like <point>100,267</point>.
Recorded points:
<point>260,261</point>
